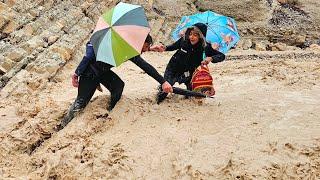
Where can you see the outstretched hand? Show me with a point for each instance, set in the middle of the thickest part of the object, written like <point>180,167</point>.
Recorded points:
<point>166,87</point>
<point>206,61</point>
<point>75,81</point>
<point>158,48</point>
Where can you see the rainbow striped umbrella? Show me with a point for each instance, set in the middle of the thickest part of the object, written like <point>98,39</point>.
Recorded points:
<point>120,34</point>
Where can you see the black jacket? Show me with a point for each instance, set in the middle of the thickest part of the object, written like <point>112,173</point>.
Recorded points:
<point>188,57</point>
<point>89,61</point>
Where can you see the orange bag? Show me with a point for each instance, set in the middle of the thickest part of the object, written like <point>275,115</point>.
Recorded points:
<point>202,81</point>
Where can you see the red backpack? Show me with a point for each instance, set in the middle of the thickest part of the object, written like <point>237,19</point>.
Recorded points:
<point>202,81</point>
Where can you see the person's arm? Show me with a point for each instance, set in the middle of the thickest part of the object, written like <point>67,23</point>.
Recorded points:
<point>176,45</point>
<point>216,56</point>
<point>150,70</point>
<point>161,48</point>
<point>85,60</point>
<point>83,64</point>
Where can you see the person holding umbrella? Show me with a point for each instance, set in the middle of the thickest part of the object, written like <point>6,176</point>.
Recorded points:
<point>189,56</point>
<point>111,45</point>
<point>200,39</point>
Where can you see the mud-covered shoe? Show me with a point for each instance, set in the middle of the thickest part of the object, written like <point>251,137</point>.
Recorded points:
<point>73,111</point>
<point>67,118</point>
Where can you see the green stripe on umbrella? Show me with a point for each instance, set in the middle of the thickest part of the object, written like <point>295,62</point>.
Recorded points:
<point>107,16</point>
<point>122,50</point>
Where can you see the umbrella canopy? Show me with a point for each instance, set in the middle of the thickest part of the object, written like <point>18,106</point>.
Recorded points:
<point>120,34</point>
<point>222,32</point>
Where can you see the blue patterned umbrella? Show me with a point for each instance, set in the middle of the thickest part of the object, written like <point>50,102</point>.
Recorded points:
<point>222,32</point>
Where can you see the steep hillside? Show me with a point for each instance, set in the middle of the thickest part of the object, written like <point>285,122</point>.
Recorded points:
<point>262,124</point>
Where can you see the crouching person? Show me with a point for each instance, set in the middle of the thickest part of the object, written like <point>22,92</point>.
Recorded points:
<point>90,73</point>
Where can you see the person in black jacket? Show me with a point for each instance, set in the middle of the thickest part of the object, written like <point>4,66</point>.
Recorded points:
<point>90,73</point>
<point>189,55</point>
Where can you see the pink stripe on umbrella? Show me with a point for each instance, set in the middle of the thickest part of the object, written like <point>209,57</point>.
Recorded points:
<point>133,35</point>
<point>101,24</point>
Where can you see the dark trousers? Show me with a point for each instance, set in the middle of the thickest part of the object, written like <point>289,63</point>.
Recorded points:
<point>87,86</point>
<point>172,77</point>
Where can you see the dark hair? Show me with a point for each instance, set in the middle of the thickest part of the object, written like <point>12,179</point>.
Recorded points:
<point>149,39</point>
<point>202,39</point>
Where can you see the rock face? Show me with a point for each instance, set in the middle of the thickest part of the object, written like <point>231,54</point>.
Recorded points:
<point>270,19</point>
<point>41,36</point>
<point>258,11</point>
<point>41,42</point>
